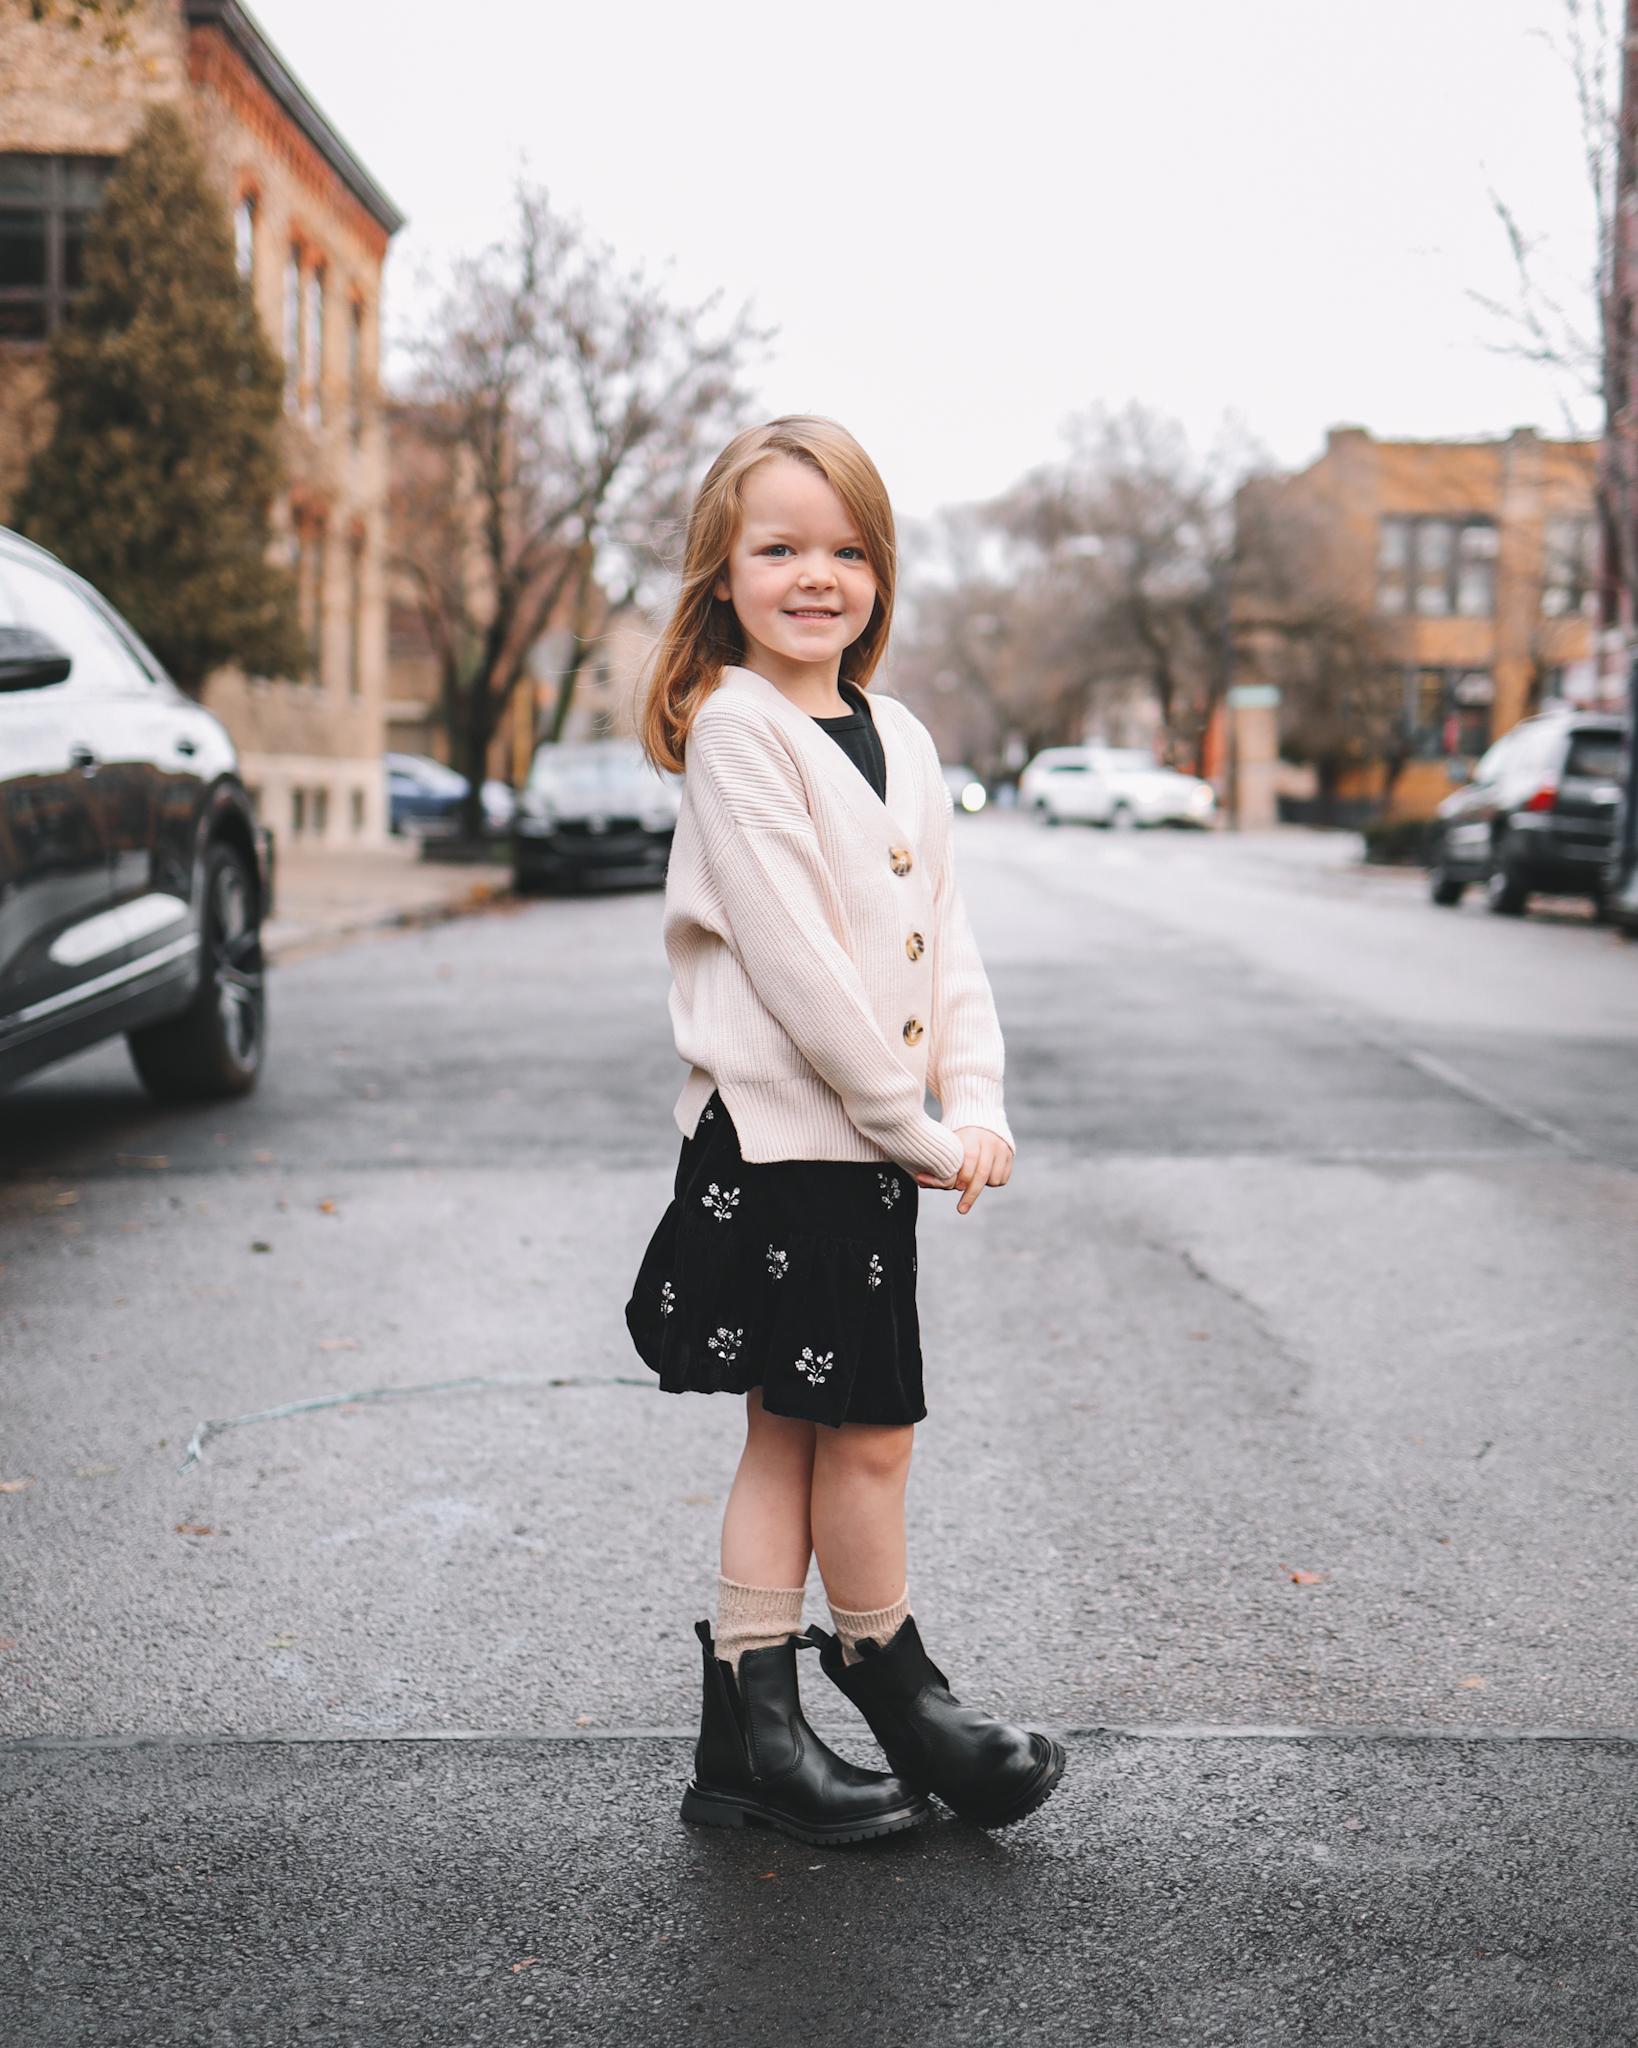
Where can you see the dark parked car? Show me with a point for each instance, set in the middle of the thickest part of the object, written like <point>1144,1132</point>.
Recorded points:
<point>1538,813</point>
<point>133,876</point>
<point>593,809</point>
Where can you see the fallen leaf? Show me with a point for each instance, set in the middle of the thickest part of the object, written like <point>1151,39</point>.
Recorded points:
<point>327,1208</point>
<point>1307,1578</point>
<point>95,1471</point>
<point>141,1159</point>
<point>65,1198</point>
<point>528,1963</point>
<point>280,1642</point>
<point>1200,1336</point>
<point>194,1529</point>
<point>1353,1823</point>
<point>1472,1684</point>
<point>8,1642</point>
<point>260,1245</point>
<point>764,1875</point>
<point>698,1500</point>
<point>582,1720</point>
<point>15,1485</point>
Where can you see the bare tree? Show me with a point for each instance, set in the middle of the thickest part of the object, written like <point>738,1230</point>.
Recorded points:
<point>1304,621</point>
<point>557,399</point>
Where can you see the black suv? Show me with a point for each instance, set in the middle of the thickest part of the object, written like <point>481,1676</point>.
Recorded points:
<point>1538,813</point>
<point>133,876</point>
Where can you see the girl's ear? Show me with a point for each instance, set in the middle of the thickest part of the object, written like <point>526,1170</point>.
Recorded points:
<point>720,587</point>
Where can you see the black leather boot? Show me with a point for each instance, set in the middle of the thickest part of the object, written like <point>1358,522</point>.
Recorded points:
<point>986,1771</point>
<point>758,1763</point>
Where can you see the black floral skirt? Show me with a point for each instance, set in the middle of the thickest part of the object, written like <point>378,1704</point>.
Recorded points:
<point>798,1277</point>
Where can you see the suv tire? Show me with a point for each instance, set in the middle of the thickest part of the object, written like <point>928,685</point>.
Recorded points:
<point>1443,887</point>
<point>215,1047</point>
<point>1505,890</point>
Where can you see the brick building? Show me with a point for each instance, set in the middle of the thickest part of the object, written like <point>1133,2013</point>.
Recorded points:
<point>1476,565</point>
<point>311,229</point>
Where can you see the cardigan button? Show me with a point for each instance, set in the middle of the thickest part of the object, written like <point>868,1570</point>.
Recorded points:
<point>912,1031</point>
<point>900,857</point>
<point>915,945</point>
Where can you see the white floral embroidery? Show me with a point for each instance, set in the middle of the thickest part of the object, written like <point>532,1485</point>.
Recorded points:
<point>889,1187</point>
<point>815,1370</point>
<point>708,1114</point>
<point>873,1278</point>
<point>668,1300</point>
<point>727,1342</point>
<point>722,1202</point>
<point>779,1263</point>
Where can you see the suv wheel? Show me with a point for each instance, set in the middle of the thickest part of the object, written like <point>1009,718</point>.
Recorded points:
<point>1443,886</point>
<point>1505,892</point>
<point>1121,819</point>
<point>215,1047</point>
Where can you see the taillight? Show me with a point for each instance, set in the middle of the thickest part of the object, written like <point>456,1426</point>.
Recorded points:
<point>1544,798</point>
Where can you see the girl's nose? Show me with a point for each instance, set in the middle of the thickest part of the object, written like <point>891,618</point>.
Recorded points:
<point>818,572</point>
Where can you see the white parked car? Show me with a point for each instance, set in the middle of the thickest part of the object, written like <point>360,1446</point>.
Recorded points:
<point>1119,787</point>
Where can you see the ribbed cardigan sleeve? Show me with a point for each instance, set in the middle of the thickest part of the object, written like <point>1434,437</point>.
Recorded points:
<point>966,1055</point>
<point>769,871</point>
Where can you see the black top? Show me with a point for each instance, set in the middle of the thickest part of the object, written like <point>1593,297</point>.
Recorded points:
<point>858,738</point>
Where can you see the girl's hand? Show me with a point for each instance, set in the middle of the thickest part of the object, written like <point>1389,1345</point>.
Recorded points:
<point>987,1164</point>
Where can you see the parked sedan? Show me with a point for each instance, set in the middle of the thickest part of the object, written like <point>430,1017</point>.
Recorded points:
<point>1539,812</point>
<point>1121,787</point>
<point>133,876</point>
<point>424,798</point>
<point>596,808</point>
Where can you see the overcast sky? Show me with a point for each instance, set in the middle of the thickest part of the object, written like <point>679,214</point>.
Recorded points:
<point>969,222</point>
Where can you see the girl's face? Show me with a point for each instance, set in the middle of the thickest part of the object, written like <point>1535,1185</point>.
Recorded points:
<point>796,575</point>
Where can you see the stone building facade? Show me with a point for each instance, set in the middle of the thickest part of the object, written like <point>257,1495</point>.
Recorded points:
<point>1476,564</point>
<point>311,229</point>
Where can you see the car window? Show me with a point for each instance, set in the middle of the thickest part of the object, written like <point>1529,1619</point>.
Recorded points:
<point>1596,754</point>
<point>50,603</point>
<point>1067,768</point>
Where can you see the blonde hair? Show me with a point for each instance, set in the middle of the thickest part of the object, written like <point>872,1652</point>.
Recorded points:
<point>703,635</point>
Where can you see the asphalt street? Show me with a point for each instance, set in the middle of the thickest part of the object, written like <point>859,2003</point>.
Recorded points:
<point>1280,1452</point>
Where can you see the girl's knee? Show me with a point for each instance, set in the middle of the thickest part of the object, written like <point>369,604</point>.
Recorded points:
<point>873,1450</point>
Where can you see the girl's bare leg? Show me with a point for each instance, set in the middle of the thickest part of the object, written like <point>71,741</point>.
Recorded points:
<point>857,1521</point>
<point>767,1537</point>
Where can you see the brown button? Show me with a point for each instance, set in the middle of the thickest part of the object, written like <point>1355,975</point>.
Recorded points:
<point>912,1031</point>
<point>915,945</point>
<point>900,857</point>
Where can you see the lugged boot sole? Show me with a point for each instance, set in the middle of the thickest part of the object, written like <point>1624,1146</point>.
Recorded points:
<point>1035,1794</point>
<point>706,1808</point>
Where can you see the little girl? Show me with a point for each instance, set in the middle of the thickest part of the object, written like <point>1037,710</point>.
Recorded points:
<point>824,975</point>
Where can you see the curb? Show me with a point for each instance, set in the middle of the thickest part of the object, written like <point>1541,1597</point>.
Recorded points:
<point>304,940</point>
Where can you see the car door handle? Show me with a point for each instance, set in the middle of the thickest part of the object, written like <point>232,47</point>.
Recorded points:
<point>186,746</point>
<point>81,755</point>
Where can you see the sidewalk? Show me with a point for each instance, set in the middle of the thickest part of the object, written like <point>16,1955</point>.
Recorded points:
<point>323,896</point>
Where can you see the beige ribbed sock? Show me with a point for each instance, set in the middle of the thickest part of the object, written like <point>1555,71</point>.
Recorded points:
<point>755,1617</point>
<point>881,1622</point>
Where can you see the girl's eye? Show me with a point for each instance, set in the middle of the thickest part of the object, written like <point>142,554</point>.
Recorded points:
<point>775,547</point>
<point>856,553</point>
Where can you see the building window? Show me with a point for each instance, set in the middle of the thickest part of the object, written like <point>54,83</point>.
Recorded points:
<point>45,202</point>
<point>358,810</point>
<point>1436,567</point>
<point>1447,712</point>
<point>314,339</point>
<point>292,330</point>
<point>355,372</point>
<point>1569,571</point>
<point>321,812</point>
<point>298,813</point>
<point>244,236</point>
<point>355,616</point>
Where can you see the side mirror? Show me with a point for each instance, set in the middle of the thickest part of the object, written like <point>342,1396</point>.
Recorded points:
<point>29,660</point>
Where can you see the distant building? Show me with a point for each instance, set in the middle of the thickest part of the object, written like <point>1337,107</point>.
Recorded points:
<point>311,229</point>
<point>1474,567</point>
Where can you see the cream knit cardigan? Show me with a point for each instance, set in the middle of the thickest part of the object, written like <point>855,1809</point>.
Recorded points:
<point>823,970</point>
